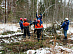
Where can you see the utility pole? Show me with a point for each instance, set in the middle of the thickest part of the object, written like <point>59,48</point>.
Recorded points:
<point>5,11</point>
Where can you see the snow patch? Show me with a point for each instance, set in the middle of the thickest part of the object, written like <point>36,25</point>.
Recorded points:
<point>9,35</point>
<point>70,30</point>
<point>8,27</point>
<point>46,25</point>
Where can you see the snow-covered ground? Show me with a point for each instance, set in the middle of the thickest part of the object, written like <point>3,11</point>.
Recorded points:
<point>70,30</point>
<point>8,27</point>
<point>56,49</point>
<point>46,25</point>
<point>9,35</point>
<point>14,27</point>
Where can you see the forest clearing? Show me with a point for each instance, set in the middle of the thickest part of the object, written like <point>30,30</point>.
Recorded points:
<point>36,26</point>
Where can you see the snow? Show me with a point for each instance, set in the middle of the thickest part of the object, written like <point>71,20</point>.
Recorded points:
<point>30,51</point>
<point>71,38</point>
<point>63,48</point>
<point>57,49</point>
<point>9,35</point>
<point>10,40</point>
<point>70,30</point>
<point>39,51</point>
<point>13,27</point>
<point>0,52</point>
<point>8,27</point>
<point>46,25</point>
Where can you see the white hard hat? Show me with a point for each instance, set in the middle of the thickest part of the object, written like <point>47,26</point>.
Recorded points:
<point>66,18</point>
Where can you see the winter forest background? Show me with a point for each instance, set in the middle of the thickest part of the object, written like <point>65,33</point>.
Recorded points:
<point>54,12</point>
<point>12,10</point>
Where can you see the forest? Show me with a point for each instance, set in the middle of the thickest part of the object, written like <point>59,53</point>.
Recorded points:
<point>53,38</point>
<point>51,9</point>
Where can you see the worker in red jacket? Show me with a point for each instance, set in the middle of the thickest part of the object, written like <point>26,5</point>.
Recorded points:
<point>26,28</point>
<point>39,28</point>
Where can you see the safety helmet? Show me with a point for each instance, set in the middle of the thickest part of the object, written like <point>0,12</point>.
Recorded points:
<point>21,18</point>
<point>66,18</point>
<point>25,19</point>
<point>38,21</point>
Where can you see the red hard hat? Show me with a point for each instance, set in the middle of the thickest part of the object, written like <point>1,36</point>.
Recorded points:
<point>38,21</point>
<point>25,19</point>
<point>21,18</point>
<point>39,15</point>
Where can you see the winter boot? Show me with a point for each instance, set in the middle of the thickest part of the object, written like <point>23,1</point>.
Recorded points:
<point>65,37</point>
<point>38,39</point>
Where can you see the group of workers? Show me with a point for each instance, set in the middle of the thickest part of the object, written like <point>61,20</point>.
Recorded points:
<point>38,26</point>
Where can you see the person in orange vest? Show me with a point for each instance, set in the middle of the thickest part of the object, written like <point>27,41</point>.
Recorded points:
<point>39,28</point>
<point>26,28</point>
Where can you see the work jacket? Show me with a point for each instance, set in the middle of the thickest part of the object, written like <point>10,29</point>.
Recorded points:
<point>26,24</point>
<point>65,25</point>
<point>38,26</point>
<point>21,24</point>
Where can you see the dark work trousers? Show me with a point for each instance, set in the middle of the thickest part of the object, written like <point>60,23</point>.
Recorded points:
<point>26,31</point>
<point>21,29</point>
<point>38,33</point>
<point>34,30</point>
